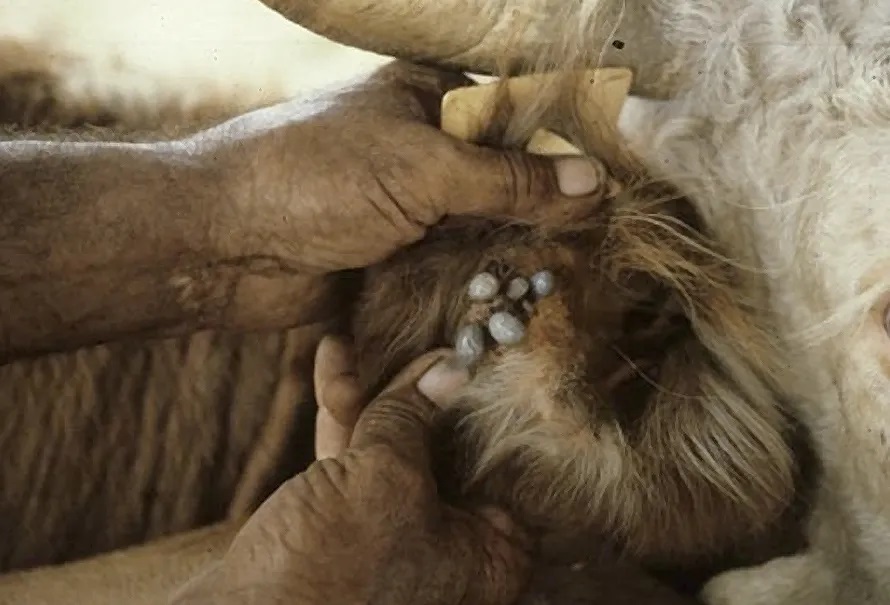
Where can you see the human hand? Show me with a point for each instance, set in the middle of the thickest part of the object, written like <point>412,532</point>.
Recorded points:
<point>366,525</point>
<point>347,180</point>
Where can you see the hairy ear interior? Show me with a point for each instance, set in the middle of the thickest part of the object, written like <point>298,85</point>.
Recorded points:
<point>680,466</point>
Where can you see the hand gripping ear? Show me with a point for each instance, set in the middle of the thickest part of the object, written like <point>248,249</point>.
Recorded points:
<point>467,112</point>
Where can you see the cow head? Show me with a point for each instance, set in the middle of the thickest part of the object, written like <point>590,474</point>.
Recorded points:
<point>774,115</point>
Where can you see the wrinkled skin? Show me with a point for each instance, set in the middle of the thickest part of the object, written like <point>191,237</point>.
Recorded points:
<point>345,502</point>
<point>319,250</point>
<point>753,89</point>
<point>228,227</point>
<point>775,122</point>
<point>145,392</point>
<point>367,524</point>
<point>398,174</point>
<point>267,547</point>
<point>242,272</point>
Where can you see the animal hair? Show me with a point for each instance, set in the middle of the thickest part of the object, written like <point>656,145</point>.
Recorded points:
<point>778,133</point>
<point>561,108</point>
<point>636,409</point>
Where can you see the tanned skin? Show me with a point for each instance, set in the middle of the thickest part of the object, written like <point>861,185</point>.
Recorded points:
<point>228,227</point>
<point>116,444</point>
<point>347,498</point>
<point>218,262</point>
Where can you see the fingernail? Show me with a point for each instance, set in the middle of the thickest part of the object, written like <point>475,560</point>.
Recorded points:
<point>441,381</point>
<point>577,176</point>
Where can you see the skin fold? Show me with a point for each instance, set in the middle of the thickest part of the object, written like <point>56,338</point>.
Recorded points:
<point>141,394</point>
<point>388,449</point>
<point>214,251</point>
<point>752,226</point>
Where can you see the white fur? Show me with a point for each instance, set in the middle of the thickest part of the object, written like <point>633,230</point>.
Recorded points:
<point>784,140</point>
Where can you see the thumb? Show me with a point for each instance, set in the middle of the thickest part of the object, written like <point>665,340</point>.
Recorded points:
<point>513,184</point>
<point>400,416</point>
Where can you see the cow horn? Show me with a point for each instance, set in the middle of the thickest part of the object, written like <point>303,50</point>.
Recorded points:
<point>470,35</point>
<point>501,37</point>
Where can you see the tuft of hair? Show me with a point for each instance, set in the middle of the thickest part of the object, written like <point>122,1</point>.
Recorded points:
<point>578,434</point>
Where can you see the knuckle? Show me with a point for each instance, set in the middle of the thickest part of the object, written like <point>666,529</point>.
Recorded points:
<point>529,178</point>
<point>420,87</point>
<point>407,477</point>
<point>512,168</point>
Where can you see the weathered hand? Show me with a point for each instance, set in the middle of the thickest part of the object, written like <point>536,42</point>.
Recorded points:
<point>366,526</point>
<point>353,176</point>
<point>230,227</point>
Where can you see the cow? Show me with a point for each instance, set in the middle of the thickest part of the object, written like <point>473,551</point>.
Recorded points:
<point>769,117</point>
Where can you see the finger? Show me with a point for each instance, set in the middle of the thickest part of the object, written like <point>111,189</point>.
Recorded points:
<point>495,553</point>
<point>501,521</point>
<point>331,437</point>
<point>513,184</point>
<point>417,90</point>
<point>338,394</point>
<point>400,416</point>
<point>336,383</point>
<point>443,381</point>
